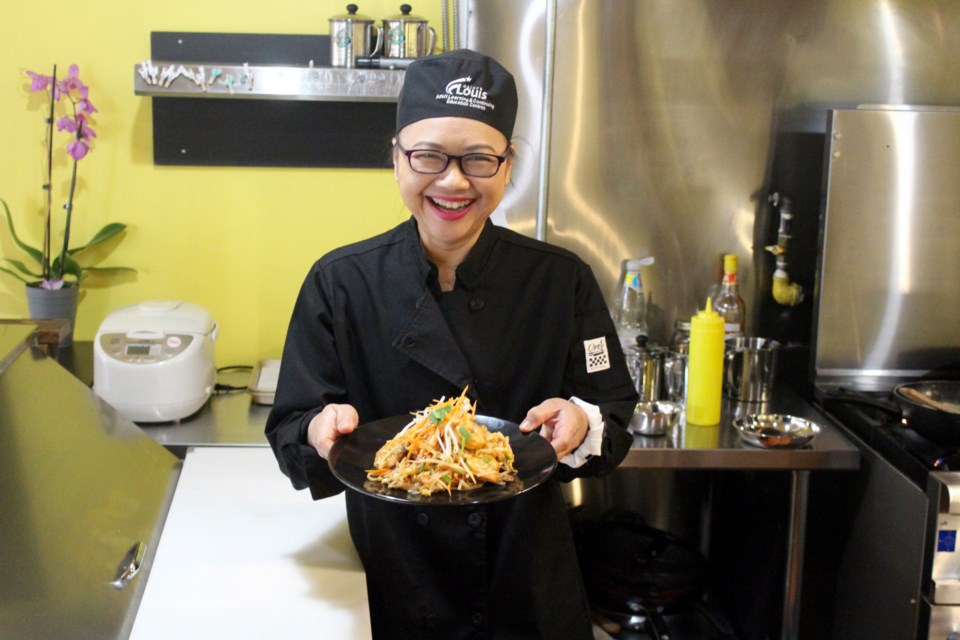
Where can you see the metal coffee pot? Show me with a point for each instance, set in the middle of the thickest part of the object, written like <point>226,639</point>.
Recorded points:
<point>407,36</point>
<point>351,36</point>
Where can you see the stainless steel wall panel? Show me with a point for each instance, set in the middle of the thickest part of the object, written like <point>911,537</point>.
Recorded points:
<point>672,120</point>
<point>513,31</point>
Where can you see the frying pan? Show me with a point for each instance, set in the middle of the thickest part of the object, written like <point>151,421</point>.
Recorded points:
<point>930,407</point>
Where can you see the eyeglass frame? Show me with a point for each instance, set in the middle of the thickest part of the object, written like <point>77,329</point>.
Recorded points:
<point>459,158</point>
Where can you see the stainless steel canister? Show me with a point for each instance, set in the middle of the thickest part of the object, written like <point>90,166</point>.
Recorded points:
<point>407,36</point>
<point>750,368</point>
<point>351,37</point>
<point>646,368</point>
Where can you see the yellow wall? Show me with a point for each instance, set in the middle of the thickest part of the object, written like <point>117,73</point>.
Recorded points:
<point>236,240</point>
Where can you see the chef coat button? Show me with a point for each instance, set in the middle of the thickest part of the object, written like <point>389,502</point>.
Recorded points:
<point>477,618</point>
<point>423,519</point>
<point>475,519</point>
<point>409,341</point>
<point>476,304</point>
<point>430,619</point>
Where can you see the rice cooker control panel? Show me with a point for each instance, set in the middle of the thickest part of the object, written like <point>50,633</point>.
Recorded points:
<point>144,349</point>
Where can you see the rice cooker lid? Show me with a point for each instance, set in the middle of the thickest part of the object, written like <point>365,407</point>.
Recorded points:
<point>162,316</point>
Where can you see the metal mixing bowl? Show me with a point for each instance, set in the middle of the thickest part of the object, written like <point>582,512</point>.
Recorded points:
<point>655,418</point>
<point>776,431</point>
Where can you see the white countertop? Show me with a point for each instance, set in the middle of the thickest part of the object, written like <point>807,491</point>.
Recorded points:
<point>244,555</point>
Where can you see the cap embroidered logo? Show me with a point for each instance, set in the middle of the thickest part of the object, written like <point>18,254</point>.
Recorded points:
<point>461,93</point>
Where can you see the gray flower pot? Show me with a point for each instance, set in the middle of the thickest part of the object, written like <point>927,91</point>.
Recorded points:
<point>54,304</point>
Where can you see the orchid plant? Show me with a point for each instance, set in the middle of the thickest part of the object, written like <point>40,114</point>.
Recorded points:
<point>76,122</point>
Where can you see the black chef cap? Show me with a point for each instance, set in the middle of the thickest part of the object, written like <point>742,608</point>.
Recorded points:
<point>460,83</point>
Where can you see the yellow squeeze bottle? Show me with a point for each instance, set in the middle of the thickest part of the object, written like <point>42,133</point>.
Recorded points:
<point>705,367</point>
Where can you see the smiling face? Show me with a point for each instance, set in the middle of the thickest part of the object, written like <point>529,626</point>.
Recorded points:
<point>450,207</point>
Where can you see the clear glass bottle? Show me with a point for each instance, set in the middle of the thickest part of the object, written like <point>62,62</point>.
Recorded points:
<point>629,307</point>
<point>729,304</point>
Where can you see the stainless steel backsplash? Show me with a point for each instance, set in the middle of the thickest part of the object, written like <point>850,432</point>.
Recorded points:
<point>672,121</point>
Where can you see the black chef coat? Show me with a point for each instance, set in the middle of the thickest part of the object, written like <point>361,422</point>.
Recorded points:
<point>525,322</point>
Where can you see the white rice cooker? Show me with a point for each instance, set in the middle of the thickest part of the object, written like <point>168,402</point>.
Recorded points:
<point>154,361</point>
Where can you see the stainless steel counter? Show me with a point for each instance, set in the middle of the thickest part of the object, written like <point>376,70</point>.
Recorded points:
<point>14,340</point>
<point>85,497</point>
<point>720,447</point>
<point>233,420</point>
<point>228,419</point>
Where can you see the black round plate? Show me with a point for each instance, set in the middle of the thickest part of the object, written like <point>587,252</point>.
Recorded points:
<point>352,455</point>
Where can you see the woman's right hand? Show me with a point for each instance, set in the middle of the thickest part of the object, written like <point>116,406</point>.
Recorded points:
<point>328,426</point>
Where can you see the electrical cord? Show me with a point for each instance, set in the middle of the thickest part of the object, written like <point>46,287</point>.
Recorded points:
<point>223,388</point>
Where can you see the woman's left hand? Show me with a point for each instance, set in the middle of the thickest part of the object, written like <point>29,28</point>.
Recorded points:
<point>565,425</point>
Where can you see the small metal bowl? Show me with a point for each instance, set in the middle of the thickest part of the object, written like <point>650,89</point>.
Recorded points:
<point>655,418</point>
<point>776,431</point>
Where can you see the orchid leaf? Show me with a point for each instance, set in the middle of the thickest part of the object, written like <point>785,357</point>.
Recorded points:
<point>108,270</point>
<point>15,275</point>
<point>70,266</point>
<point>23,269</point>
<point>107,232</point>
<point>34,253</point>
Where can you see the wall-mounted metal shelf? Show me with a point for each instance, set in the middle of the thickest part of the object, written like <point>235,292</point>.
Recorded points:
<point>266,100</point>
<point>176,79</point>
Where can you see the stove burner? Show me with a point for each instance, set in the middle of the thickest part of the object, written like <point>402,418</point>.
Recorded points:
<point>912,453</point>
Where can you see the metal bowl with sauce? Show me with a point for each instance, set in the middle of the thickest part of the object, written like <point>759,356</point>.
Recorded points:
<point>776,431</point>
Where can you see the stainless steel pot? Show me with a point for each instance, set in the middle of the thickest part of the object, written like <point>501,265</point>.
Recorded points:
<point>351,36</point>
<point>407,36</point>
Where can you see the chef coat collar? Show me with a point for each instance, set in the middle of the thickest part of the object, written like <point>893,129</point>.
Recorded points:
<point>470,269</point>
<point>425,268</point>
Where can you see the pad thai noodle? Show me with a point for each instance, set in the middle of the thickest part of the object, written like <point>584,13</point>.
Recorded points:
<point>444,449</point>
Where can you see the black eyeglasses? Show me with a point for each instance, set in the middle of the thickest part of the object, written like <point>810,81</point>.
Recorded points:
<point>475,165</point>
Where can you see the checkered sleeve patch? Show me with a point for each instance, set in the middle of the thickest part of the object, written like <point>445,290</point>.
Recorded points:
<point>598,358</point>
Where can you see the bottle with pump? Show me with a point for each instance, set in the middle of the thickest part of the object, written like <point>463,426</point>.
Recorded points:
<point>728,303</point>
<point>629,308</point>
<point>705,368</point>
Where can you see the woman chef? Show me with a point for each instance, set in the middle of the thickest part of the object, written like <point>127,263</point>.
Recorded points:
<point>445,301</point>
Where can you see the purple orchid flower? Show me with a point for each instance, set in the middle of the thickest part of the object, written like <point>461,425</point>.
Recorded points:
<point>76,123</point>
<point>52,284</point>
<point>38,81</point>
<point>72,82</point>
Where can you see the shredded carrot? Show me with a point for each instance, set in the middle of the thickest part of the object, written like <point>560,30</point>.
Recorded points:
<point>444,448</point>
